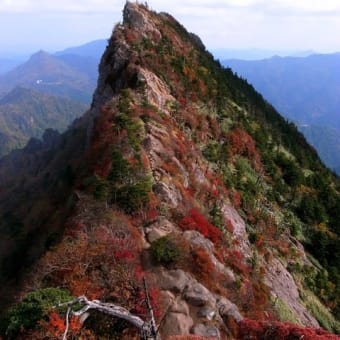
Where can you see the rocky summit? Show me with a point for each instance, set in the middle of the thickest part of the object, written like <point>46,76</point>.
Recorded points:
<point>181,198</point>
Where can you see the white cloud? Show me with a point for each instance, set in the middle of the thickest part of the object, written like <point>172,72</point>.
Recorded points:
<point>309,5</point>
<point>285,24</point>
<point>79,6</point>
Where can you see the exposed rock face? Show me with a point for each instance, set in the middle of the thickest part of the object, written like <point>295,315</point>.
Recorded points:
<point>177,323</point>
<point>284,287</point>
<point>195,238</point>
<point>206,331</point>
<point>188,298</point>
<point>139,18</point>
<point>167,193</point>
<point>228,309</point>
<point>157,91</point>
<point>239,228</point>
<point>197,295</point>
<point>159,228</point>
<point>174,280</point>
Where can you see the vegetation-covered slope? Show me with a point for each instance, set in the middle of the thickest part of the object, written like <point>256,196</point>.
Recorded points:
<point>305,90</point>
<point>27,113</point>
<point>187,177</point>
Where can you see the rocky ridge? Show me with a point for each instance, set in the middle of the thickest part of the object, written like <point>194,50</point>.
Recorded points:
<point>157,93</point>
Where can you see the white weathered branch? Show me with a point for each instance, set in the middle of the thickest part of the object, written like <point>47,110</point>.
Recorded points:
<point>67,322</point>
<point>106,308</point>
<point>146,328</point>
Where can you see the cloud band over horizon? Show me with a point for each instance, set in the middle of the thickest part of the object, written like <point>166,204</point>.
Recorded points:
<point>284,24</point>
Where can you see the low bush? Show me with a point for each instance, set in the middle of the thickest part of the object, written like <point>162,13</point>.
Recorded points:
<point>33,307</point>
<point>165,250</point>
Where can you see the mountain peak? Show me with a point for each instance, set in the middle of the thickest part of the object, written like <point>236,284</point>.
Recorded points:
<point>41,54</point>
<point>138,17</point>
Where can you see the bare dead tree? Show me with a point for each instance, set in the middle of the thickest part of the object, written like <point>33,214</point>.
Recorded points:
<point>148,329</point>
<point>152,322</point>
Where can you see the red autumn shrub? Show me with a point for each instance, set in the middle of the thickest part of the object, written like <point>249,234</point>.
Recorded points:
<point>151,214</point>
<point>140,307</point>
<point>126,255</point>
<point>56,325</point>
<point>203,265</point>
<point>236,260</point>
<point>196,221</point>
<point>241,143</point>
<point>268,330</point>
<point>236,199</point>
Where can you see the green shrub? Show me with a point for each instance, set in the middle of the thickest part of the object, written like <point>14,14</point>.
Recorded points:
<point>121,170</point>
<point>320,312</point>
<point>285,313</point>
<point>134,196</point>
<point>212,151</point>
<point>216,217</point>
<point>101,189</point>
<point>165,251</point>
<point>33,307</point>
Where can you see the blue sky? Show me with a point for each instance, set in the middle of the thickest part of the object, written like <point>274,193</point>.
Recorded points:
<point>29,25</point>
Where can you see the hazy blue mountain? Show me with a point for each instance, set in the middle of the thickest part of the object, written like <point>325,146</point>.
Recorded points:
<point>8,64</point>
<point>92,49</point>
<point>305,90</point>
<point>67,76</point>
<point>326,141</point>
<point>82,64</point>
<point>25,113</point>
<point>255,53</point>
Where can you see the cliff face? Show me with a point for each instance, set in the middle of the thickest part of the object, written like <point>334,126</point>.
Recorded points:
<point>184,181</point>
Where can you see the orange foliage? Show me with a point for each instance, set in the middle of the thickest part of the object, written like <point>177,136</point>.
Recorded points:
<point>268,330</point>
<point>96,261</point>
<point>241,143</point>
<point>56,325</point>
<point>203,265</point>
<point>236,260</point>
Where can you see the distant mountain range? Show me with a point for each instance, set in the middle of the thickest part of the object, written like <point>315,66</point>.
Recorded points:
<point>26,113</point>
<point>326,141</point>
<point>255,53</point>
<point>304,90</point>
<point>93,49</point>
<point>7,64</point>
<point>69,76</point>
<point>46,91</point>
